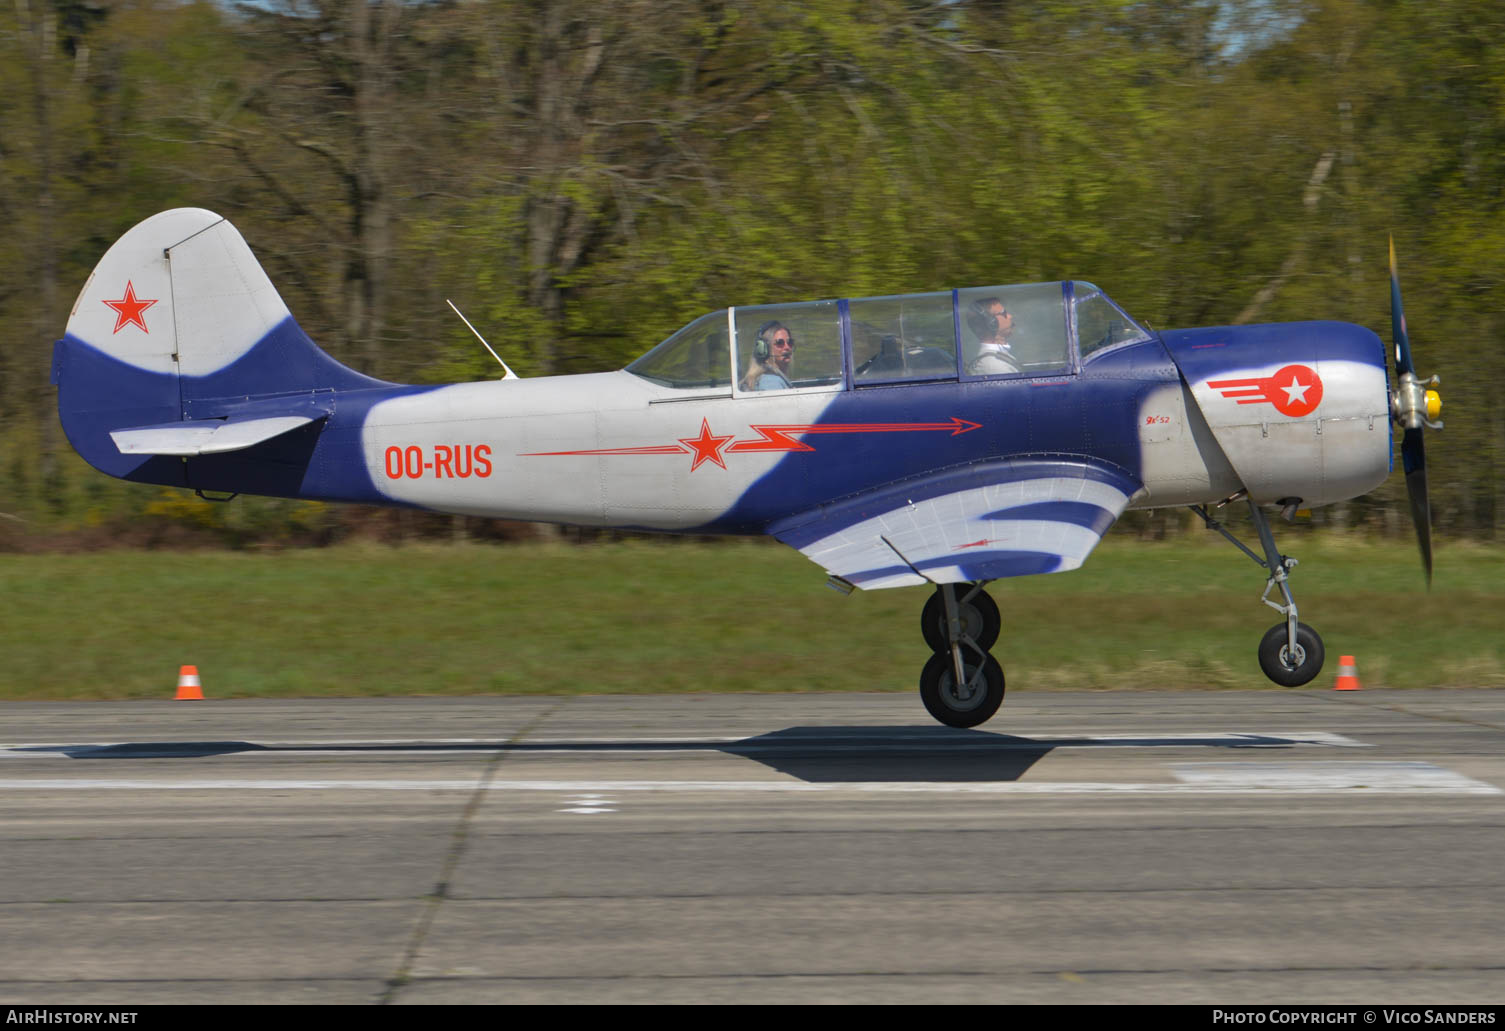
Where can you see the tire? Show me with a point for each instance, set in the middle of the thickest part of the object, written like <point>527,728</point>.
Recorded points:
<point>938,691</point>
<point>979,615</point>
<point>1284,669</point>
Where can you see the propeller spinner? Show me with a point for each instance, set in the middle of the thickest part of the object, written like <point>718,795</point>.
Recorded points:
<point>1414,406</point>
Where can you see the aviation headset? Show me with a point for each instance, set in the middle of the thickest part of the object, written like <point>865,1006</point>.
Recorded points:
<point>760,348</point>
<point>980,317</point>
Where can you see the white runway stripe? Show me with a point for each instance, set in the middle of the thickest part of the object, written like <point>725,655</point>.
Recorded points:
<point>1317,776</point>
<point>1387,778</point>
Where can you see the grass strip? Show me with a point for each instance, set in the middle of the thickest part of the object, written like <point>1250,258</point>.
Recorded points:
<point>685,616</point>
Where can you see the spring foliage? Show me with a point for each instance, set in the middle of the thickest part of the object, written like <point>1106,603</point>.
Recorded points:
<point>585,177</point>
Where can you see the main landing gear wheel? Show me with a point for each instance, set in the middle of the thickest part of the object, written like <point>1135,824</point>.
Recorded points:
<point>978,614</point>
<point>1281,664</point>
<point>968,704</point>
<point>961,685</point>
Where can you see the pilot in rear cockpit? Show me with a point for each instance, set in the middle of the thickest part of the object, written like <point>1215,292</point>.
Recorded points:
<point>772,357</point>
<point>992,322</point>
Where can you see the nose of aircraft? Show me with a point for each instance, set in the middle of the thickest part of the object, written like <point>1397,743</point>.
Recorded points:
<point>1300,410</point>
<point>1322,370</point>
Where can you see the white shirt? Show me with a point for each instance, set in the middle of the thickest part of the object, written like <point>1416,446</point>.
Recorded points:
<point>993,358</point>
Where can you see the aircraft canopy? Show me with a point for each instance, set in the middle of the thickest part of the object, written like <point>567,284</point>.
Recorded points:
<point>1038,329</point>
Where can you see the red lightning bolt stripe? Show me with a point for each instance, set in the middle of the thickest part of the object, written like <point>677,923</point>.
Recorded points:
<point>777,438</point>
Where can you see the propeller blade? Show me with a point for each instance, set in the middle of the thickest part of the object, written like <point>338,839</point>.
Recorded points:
<point>1398,321</point>
<point>1414,461</point>
<point>1413,403</point>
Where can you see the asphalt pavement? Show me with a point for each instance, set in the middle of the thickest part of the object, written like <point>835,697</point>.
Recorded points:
<point>1261,847</point>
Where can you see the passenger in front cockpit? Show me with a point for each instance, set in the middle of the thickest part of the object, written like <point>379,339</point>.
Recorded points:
<point>992,322</point>
<point>772,358</point>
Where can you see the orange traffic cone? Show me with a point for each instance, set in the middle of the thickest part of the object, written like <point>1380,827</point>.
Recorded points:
<point>188,684</point>
<point>1348,675</point>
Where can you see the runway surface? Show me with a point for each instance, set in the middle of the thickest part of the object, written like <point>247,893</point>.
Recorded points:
<point>1237,847</point>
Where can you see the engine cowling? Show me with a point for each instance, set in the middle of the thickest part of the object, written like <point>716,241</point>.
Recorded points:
<point>1301,410</point>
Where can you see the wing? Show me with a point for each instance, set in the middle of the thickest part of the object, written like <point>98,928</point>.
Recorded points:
<point>1012,517</point>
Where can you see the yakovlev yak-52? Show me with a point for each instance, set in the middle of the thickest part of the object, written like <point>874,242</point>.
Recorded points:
<point>944,439</point>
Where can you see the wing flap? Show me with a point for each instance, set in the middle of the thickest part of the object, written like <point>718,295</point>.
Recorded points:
<point>1016,517</point>
<point>205,437</point>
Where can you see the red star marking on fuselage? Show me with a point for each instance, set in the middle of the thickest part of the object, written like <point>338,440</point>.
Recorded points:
<point>1295,390</point>
<point>707,446</point>
<point>130,308</point>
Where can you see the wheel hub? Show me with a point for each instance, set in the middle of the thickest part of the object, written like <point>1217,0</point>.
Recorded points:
<point>965,696</point>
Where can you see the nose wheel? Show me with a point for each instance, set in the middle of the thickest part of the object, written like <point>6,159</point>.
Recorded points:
<point>1290,653</point>
<point>1287,666</point>
<point>961,685</point>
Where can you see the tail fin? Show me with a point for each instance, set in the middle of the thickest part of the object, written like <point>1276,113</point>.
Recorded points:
<point>179,345</point>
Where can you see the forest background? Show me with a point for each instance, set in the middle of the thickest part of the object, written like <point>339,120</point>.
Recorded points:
<point>583,178</point>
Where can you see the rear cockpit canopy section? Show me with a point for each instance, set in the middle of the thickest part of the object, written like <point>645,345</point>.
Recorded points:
<point>1020,331</point>
<point>1015,330</point>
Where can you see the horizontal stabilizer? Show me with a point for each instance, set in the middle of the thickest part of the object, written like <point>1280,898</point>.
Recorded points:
<point>206,437</point>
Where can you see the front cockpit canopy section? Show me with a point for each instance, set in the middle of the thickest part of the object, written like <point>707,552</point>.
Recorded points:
<point>784,346</point>
<point>1099,322</point>
<point>1021,331</point>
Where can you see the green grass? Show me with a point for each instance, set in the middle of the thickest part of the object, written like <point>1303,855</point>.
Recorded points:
<point>647,616</point>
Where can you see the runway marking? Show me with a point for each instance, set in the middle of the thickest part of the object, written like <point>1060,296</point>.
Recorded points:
<point>590,804</point>
<point>1372,778</point>
<point>1319,776</point>
<point>877,740</point>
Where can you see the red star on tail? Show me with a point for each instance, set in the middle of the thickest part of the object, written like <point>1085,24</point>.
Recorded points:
<point>129,309</point>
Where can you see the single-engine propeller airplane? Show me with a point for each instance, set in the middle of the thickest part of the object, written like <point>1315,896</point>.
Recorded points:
<point>949,438</point>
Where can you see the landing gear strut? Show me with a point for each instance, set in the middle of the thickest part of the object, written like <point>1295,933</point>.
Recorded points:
<point>1290,653</point>
<point>961,685</point>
